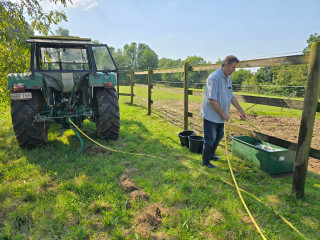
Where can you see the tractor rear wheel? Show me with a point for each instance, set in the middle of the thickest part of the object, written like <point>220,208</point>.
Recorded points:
<point>108,119</point>
<point>29,134</point>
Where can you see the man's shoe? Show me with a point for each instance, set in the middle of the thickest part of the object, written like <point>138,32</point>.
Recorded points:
<point>209,165</point>
<point>215,158</point>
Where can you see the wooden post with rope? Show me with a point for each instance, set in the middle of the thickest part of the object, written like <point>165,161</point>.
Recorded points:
<point>307,121</point>
<point>186,95</point>
<point>131,85</point>
<point>149,89</point>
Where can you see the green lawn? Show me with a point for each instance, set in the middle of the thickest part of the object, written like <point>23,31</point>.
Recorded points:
<point>52,193</point>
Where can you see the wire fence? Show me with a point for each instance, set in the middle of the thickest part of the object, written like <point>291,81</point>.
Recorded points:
<point>270,90</point>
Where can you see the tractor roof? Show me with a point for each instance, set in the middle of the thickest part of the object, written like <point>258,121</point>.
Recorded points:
<point>52,40</point>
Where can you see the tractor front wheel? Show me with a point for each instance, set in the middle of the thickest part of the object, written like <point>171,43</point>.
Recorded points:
<point>30,134</point>
<point>108,119</point>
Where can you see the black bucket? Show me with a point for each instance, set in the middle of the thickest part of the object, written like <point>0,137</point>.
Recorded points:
<point>184,137</point>
<point>195,143</point>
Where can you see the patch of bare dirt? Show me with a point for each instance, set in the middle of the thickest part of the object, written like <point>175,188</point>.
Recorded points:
<point>139,195</point>
<point>214,217</point>
<point>150,220</point>
<point>130,186</point>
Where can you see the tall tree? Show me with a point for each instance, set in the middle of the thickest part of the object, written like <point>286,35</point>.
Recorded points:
<point>264,76</point>
<point>122,62</point>
<point>62,32</point>
<point>197,79</point>
<point>146,57</point>
<point>130,50</point>
<point>162,62</point>
<point>240,75</point>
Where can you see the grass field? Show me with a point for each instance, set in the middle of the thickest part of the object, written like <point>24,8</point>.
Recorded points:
<point>53,193</point>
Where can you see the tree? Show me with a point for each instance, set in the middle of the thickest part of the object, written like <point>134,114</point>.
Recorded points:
<point>15,29</point>
<point>140,57</point>
<point>293,76</point>
<point>146,57</point>
<point>122,62</point>
<point>62,32</point>
<point>131,52</point>
<point>162,62</point>
<point>240,75</point>
<point>313,38</point>
<point>197,79</point>
<point>177,78</point>
<point>264,76</point>
<point>219,61</point>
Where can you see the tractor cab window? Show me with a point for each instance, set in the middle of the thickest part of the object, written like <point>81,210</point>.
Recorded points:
<point>63,59</point>
<point>103,59</point>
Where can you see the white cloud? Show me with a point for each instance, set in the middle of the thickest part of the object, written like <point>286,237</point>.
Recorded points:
<point>84,5</point>
<point>90,6</point>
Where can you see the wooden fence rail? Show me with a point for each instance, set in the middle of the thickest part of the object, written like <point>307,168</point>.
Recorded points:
<point>309,106</point>
<point>275,102</point>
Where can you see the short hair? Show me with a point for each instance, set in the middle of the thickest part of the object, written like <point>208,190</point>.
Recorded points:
<point>230,59</point>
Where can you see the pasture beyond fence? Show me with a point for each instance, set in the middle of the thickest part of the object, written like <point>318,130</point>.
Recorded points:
<point>309,106</point>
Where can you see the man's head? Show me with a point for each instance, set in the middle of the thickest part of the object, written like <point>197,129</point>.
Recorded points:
<point>229,64</point>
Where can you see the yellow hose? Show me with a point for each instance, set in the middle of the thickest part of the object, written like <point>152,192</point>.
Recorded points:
<point>239,193</point>
<point>110,149</point>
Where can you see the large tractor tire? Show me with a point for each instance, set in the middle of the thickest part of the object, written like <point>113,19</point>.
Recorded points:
<point>29,134</point>
<point>108,121</point>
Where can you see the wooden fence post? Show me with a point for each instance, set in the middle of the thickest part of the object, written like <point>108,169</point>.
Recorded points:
<point>307,121</point>
<point>131,84</point>
<point>149,89</point>
<point>186,96</point>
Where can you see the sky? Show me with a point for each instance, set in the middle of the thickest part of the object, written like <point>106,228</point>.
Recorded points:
<point>208,29</point>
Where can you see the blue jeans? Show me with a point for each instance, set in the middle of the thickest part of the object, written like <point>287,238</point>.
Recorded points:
<point>213,133</point>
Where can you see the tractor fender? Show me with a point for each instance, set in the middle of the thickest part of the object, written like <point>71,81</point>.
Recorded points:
<point>30,81</point>
<point>99,79</point>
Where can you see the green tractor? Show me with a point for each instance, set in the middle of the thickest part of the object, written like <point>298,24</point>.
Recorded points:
<point>70,78</point>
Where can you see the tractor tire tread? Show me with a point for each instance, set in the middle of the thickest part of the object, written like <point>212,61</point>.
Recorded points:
<point>29,134</point>
<point>108,120</point>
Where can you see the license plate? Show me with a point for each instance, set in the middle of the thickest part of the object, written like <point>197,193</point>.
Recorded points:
<point>21,96</point>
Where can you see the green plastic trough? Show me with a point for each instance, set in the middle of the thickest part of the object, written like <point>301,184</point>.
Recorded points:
<point>271,162</point>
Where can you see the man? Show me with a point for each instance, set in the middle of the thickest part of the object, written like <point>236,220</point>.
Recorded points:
<point>216,103</point>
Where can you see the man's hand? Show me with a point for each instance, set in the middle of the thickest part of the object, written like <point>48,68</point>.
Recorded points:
<point>226,117</point>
